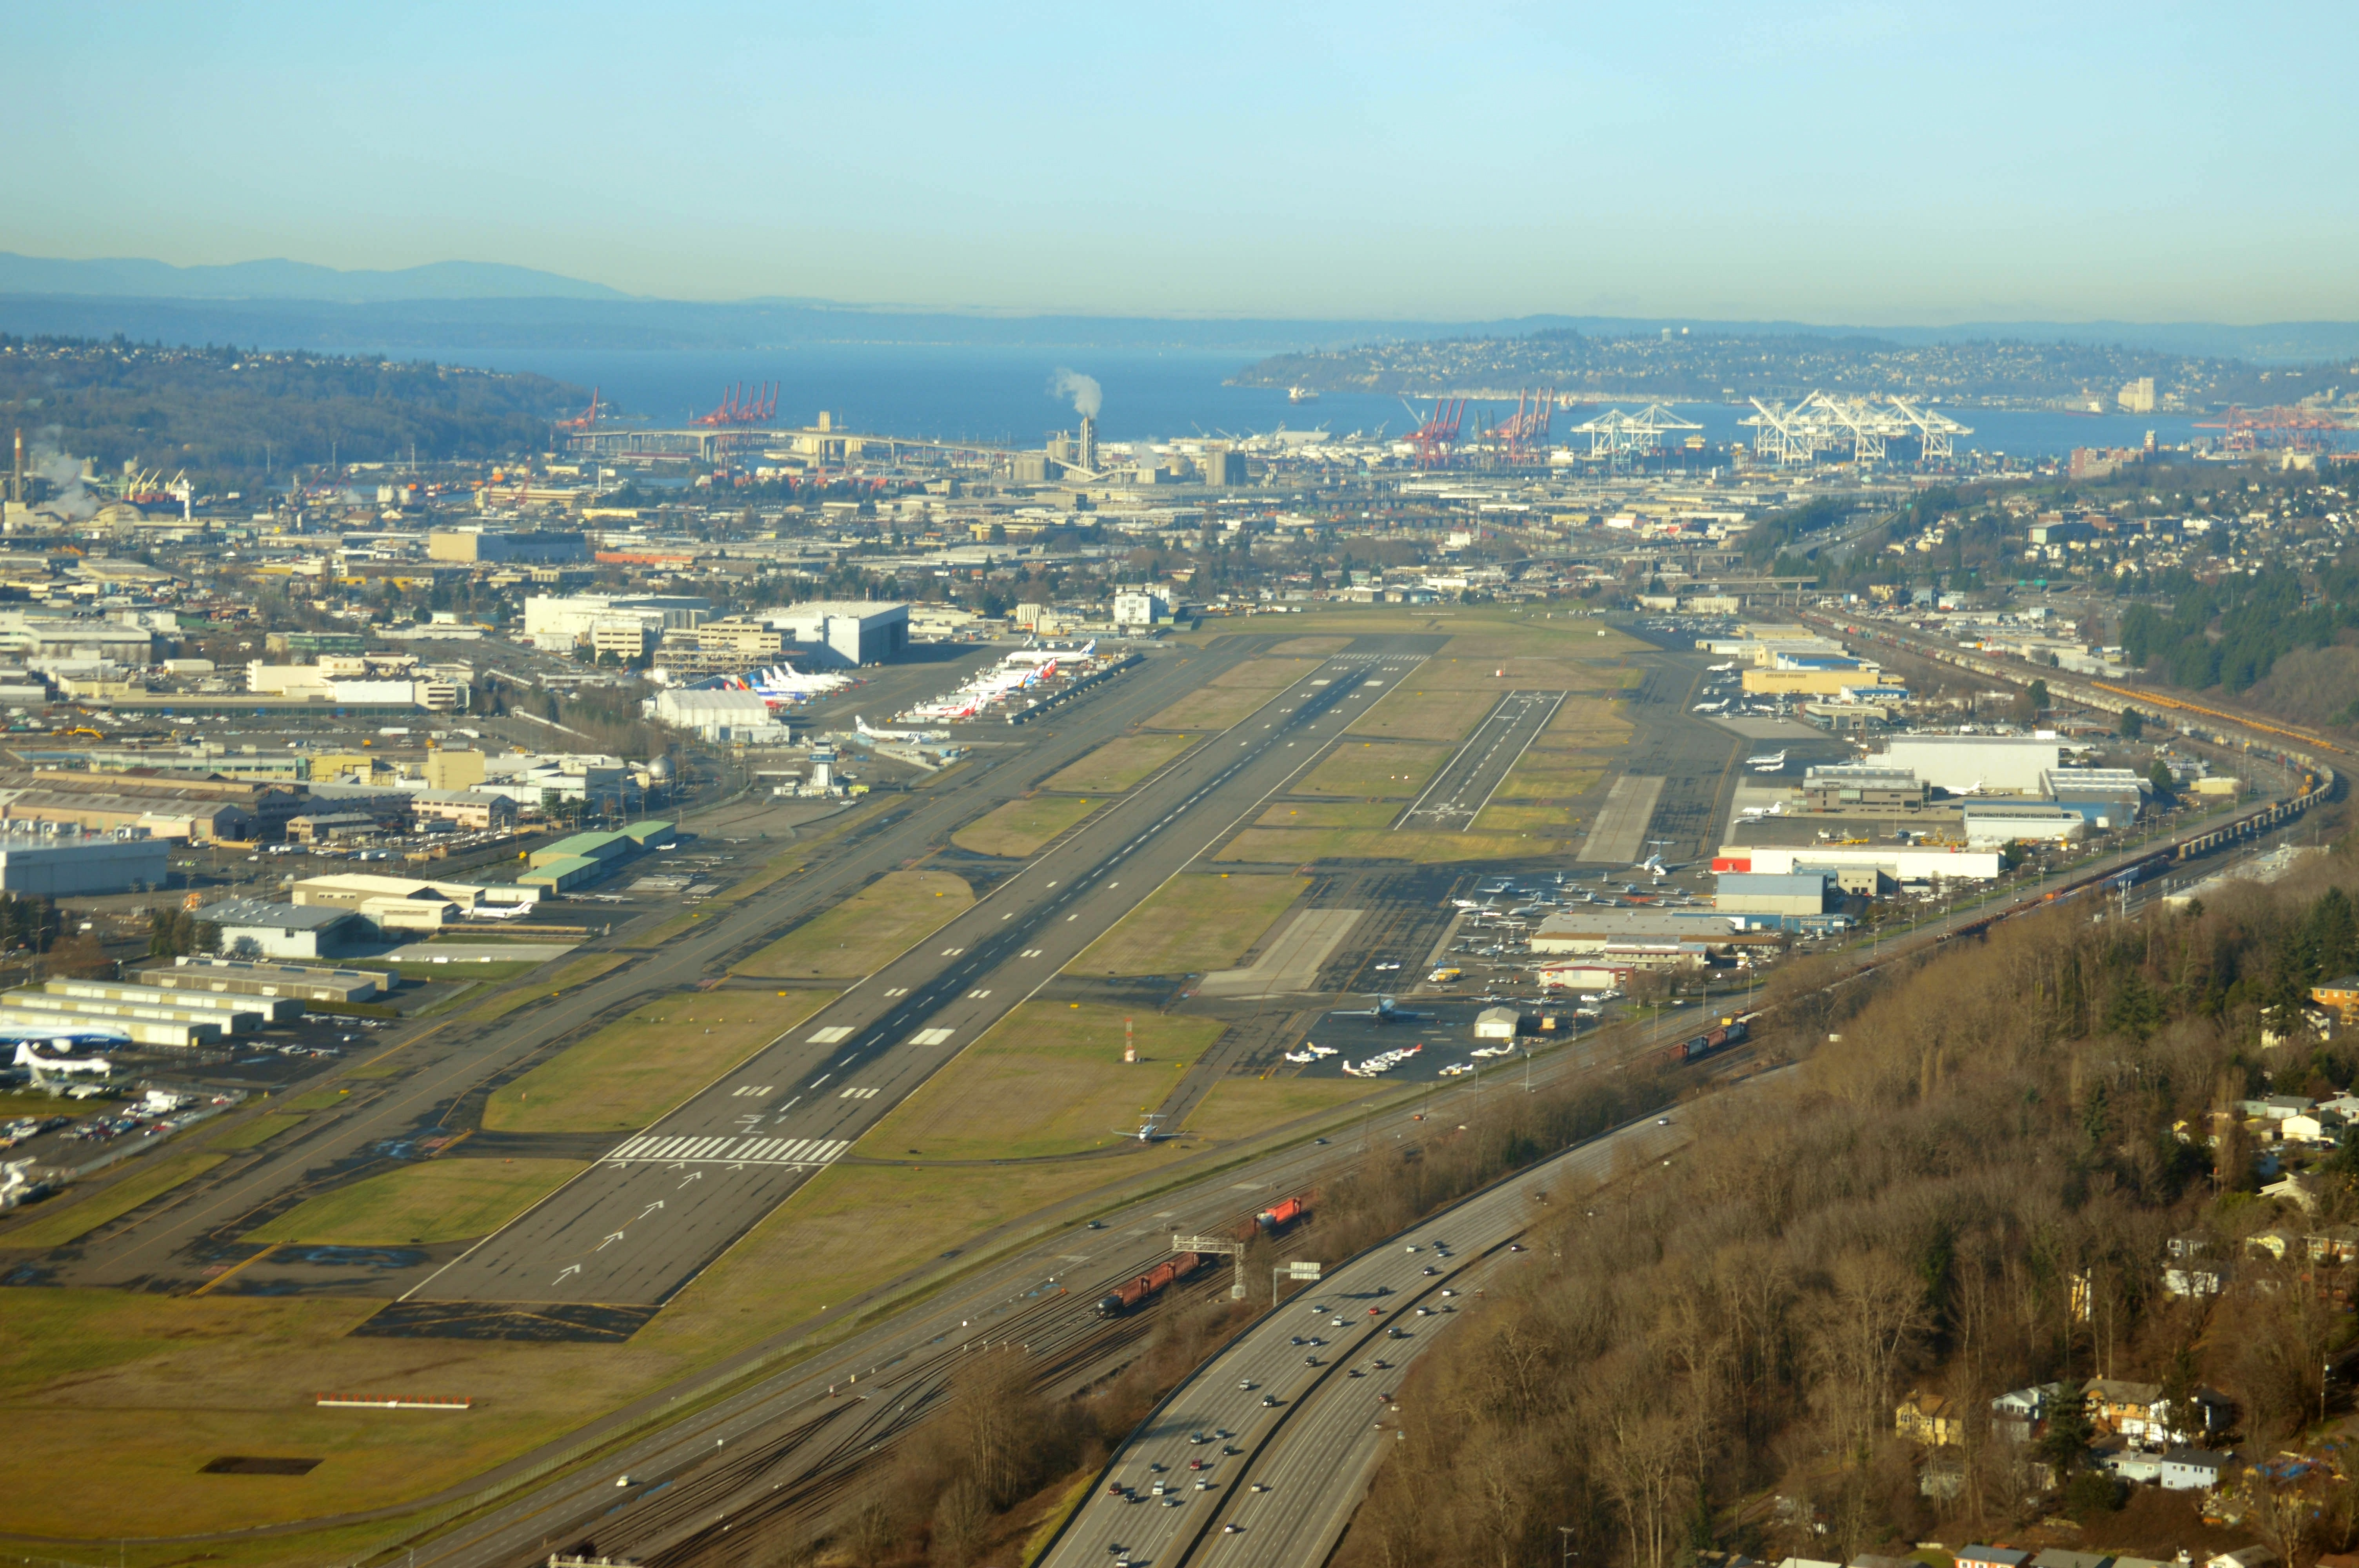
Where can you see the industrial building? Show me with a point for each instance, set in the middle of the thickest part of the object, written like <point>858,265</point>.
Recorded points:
<point>560,624</point>
<point>2029,821</point>
<point>1772,893</point>
<point>236,977</point>
<point>1901,862</point>
<point>1643,938</point>
<point>848,633</point>
<point>244,1013</point>
<point>63,865</point>
<point>1964,764</point>
<point>1833,788</point>
<point>585,857</point>
<point>541,547</point>
<point>720,714</point>
<point>2105,797</point>
<point>26,1012</point>
<point>284,930</point>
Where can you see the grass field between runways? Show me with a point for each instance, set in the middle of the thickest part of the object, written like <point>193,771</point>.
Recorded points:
<point>635,1069</point>
<point>1212,708</point>
<point>437,1200</point>
<point>1121,762</point>
<point>1047,1079</point>
<point>1021,827</point>
<point>1190,925</point>
<point>1329,813</point>
<point>1415,710</point>
<point>866,931</point>
<point>1386,769</point>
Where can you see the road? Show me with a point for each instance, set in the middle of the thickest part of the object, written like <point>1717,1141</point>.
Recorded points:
<point>1288,1422</point>
<point>177,1248</point>
<point>663,1203</point>
<point>1466,784</point>
<point>780,1447</point>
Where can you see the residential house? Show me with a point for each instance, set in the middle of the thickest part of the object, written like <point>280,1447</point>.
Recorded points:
<point>2295,1188</point>
<point>2191,1273</point>
<point>2316,1125</point>
<point>1928,1418</point>
<point>1992,1557</point>
<point>2194,1469</point>
<point>2017,1417</point>
<point>2243,1557</point>
<point>2057,1557</point>
<point>1943,1477</point>
<point>2133,1410</point>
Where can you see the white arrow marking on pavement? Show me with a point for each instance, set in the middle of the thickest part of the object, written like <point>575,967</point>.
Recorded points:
<point>610,1240</point>
<point>692,1176</point>
<point>568,1269</point>
<point>651,1209</point>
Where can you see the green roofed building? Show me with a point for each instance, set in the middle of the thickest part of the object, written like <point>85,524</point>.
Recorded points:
<point>562,874</point>
<point>585,857</point>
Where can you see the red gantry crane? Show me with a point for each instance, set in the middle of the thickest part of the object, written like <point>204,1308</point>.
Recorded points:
<point>588,418</point>
<point>738,408</point>
<point>2294,428</point>
<point>1524,437</point>
<point>1436,433</point>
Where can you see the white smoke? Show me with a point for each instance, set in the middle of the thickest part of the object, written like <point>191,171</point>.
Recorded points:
<point>72,503</point>
<point>1087,395</point>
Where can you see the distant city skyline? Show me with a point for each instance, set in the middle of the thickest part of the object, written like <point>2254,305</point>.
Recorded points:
<point>1863,162</point>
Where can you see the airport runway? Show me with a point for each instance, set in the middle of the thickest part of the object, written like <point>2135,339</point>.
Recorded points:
<point>664,1202</point>
<point>1466,784</point>
<point>1288,1432</point>
<point>185,1245</point>
<point>772,1455</point>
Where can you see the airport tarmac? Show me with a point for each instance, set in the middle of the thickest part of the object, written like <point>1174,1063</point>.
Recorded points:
<point>1468,781</point>
<point>663,1203</point>
<point>387,1119</point>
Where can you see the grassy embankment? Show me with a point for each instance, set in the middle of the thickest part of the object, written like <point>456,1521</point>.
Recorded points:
<point>1020,826</point>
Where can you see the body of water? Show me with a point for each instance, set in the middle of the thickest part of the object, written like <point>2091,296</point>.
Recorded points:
<point>1006,396</point>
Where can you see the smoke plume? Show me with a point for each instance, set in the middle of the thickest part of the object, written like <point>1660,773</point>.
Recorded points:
<point>73,503</point>
<point>1087,395</point>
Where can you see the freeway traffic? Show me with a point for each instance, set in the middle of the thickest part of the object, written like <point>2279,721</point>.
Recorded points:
<point>1261,1457</point>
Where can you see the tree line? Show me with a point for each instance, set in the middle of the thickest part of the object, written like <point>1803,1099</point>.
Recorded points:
<point>1972,1184</point>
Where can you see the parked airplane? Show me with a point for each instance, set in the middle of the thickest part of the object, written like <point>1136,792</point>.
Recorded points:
<point>1384,1012</point>
<point>784,683</point>
<point>1719,669</point>
<point>861,725</point>
<point>1712,706</point>
<point>1767,762</point>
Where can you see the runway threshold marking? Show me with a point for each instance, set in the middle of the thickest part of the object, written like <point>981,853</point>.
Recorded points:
<point>729,1149</point>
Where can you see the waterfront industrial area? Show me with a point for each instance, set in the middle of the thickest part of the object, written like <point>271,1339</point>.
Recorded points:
<point>636,970</point>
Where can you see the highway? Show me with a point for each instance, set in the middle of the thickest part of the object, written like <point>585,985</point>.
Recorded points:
<point>180,1247</point>
<point>646,1219</point>
<point>1466,784</point>
<point>1265,1452</point>
<point>778,1449</point>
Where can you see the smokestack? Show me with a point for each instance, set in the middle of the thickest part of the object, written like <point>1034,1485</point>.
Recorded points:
<point>1089,453</point>
<point>16,475</point>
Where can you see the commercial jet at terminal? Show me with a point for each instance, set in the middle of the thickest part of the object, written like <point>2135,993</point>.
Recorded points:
<point>1766,763</point>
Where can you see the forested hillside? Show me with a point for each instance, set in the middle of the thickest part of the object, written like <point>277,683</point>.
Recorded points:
<point>1970,1185</point>
<point>223,413</point>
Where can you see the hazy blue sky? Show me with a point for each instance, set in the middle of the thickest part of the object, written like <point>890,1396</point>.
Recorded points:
<point>1854,162</point>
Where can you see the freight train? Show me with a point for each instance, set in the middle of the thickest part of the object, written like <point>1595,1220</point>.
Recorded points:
<point>1130,1292</point>
<point>1732,1032</point>
<point>1272,1220</point>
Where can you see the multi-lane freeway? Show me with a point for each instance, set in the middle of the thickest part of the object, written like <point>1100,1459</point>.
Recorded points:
<point>1261,1457</point>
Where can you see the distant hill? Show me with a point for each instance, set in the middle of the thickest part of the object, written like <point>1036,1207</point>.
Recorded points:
<point>132,277</point>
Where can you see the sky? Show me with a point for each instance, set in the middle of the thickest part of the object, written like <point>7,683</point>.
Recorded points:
<point>1882,163</point>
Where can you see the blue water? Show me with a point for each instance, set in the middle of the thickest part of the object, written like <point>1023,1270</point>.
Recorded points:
<point>1004,395</point>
